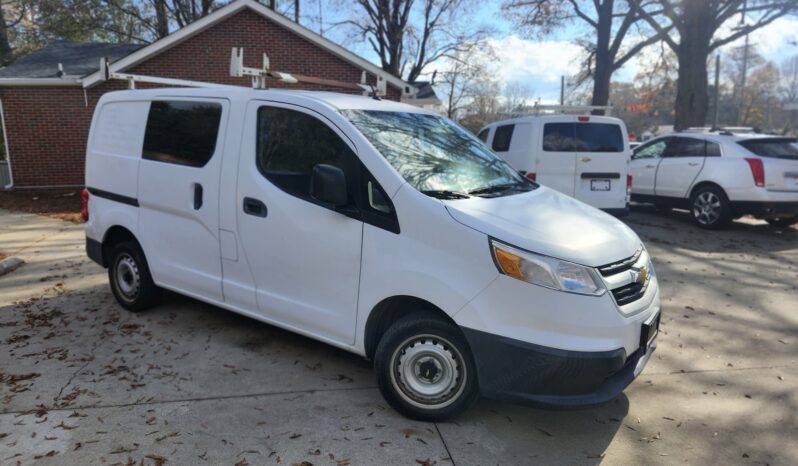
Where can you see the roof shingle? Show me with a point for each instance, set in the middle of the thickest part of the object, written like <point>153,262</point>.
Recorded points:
<point>78,59</point>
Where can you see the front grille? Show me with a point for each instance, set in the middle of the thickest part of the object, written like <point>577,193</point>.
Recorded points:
<point>620,276</point>
<point>629,293</point>
<point>620,266</point>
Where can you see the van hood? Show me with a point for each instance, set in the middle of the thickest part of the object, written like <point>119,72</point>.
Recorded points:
<point>547,222</point>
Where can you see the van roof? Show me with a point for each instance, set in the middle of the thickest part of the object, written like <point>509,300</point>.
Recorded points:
<point>336,100</point>
<point>558,116</point>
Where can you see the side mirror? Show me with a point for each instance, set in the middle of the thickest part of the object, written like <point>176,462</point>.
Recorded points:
<point>328,184</point>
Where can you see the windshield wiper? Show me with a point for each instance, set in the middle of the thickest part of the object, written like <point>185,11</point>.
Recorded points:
<point>445,194</point>
<point>496,188</point>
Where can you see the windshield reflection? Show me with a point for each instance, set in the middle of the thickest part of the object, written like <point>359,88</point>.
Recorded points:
<point>436,156</point>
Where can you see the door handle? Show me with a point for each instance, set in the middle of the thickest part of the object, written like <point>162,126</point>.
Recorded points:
<point>255,207</point>
<point>197,196</point>
<point>586,159</point>
<point>694,164</point>
<point>650,166</point>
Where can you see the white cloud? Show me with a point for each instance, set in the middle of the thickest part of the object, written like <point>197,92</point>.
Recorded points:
<point>538,64</point>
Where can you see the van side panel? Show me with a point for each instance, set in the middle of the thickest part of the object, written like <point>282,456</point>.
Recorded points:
<point>114,150</point>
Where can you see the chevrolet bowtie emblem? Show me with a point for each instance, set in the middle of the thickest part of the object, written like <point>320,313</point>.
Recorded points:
<point>639,276</point>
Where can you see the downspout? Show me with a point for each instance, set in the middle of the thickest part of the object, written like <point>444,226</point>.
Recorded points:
<point>8,152</point>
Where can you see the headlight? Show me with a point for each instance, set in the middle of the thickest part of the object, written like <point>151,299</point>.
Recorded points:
<point>546,271</point>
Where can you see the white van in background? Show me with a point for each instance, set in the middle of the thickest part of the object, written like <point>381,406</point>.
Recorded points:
<point>583,156</point>
<point>348,219</point>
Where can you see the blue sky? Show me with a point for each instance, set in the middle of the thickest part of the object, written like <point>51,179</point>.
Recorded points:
<point>539,63</point>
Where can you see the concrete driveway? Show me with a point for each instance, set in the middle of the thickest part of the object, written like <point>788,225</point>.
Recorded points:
<point>84,382</point>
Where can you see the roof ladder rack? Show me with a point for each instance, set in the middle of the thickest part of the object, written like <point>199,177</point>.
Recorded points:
<point>259,75</point>
<point>539,109</point>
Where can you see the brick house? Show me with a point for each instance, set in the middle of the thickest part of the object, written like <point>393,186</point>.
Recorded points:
<point>47,98</point>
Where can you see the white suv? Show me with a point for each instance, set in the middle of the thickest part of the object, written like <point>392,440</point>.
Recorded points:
<point>719,175</point>
<point>376,227</point>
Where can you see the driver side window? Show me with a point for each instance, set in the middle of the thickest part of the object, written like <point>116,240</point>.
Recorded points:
<point>652,150</point>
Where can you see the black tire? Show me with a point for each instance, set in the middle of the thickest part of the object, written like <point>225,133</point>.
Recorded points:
<point>783,221</point>
<point>130,279</point>
<point>439,348</point>
<point>710,208</point>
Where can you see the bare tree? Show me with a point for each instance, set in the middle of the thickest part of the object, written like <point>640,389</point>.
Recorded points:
<point>698,27</point>
<point>789,79</point>
<point>18,9</point>
<point>462,78</point>
<point>407,45</point>
<point>610,22</point>
<point>516,95</point>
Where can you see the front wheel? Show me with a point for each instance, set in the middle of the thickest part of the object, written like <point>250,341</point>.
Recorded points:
<point>425,369</point>
<point>710,208</point>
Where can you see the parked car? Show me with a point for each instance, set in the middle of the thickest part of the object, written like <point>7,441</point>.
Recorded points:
<point>720,175</point>
<point>376,227</point>
<point>585,157</point>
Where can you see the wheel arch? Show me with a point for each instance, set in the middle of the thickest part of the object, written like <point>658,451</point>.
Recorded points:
<point>113,236</point>
<point>391,309</point>
<point>704,183</point>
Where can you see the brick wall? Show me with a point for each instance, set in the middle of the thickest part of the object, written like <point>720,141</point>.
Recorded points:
<point>48,127</point>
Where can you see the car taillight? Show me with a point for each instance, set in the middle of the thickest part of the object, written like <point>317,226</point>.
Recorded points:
<point>758,170</point>
<point>532,176</point>
<point>84,211</point>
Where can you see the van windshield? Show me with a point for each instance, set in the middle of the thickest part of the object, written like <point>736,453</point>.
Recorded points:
<point>436,156</point>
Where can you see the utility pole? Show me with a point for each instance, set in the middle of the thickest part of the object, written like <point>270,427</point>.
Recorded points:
<point>745,68</point>
<point>562,90</point>
<point>717,92</point>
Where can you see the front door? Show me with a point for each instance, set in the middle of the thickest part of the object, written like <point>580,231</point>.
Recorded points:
<point>679,167</point>
<point>644,166</point>
<point>178,194</point>
<point>304,256</point>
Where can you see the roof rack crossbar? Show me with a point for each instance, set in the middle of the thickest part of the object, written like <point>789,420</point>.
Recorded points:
<point>539,109</point>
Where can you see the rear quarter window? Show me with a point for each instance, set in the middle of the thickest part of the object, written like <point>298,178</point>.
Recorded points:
<point>181,132</point>
<point>780,148</point>
<point>119,128</point>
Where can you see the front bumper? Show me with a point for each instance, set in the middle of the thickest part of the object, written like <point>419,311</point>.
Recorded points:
<point>539,376</point>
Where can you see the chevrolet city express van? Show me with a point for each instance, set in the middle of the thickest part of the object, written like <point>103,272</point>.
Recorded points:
<point>376,227</point>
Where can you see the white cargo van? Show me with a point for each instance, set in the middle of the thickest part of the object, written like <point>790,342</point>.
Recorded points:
<point>583,156</point>
<point>376,227</point>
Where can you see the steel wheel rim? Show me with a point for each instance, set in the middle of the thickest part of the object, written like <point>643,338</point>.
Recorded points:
<point>128,278</point>
<point>428,372</point>
<point>707,208</point>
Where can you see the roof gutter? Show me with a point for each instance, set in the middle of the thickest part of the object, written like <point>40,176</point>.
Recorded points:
<point>69,81</point>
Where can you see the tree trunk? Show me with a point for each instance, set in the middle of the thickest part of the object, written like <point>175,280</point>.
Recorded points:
<point>604,60</point>
<point>161,19</point>
<point>692,96</point>
<point>5,46</point>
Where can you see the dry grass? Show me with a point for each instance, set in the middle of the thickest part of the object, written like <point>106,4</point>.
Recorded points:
<point>60,203</point>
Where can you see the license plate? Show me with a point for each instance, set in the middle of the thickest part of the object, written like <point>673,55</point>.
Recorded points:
<point>649,332</point>
<point>600,185</point>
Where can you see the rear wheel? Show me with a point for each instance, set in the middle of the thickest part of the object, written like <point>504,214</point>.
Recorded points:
<point>130,279</point>
<point>783,221</point>
<point>710,208</point>
<point>425,369</point>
